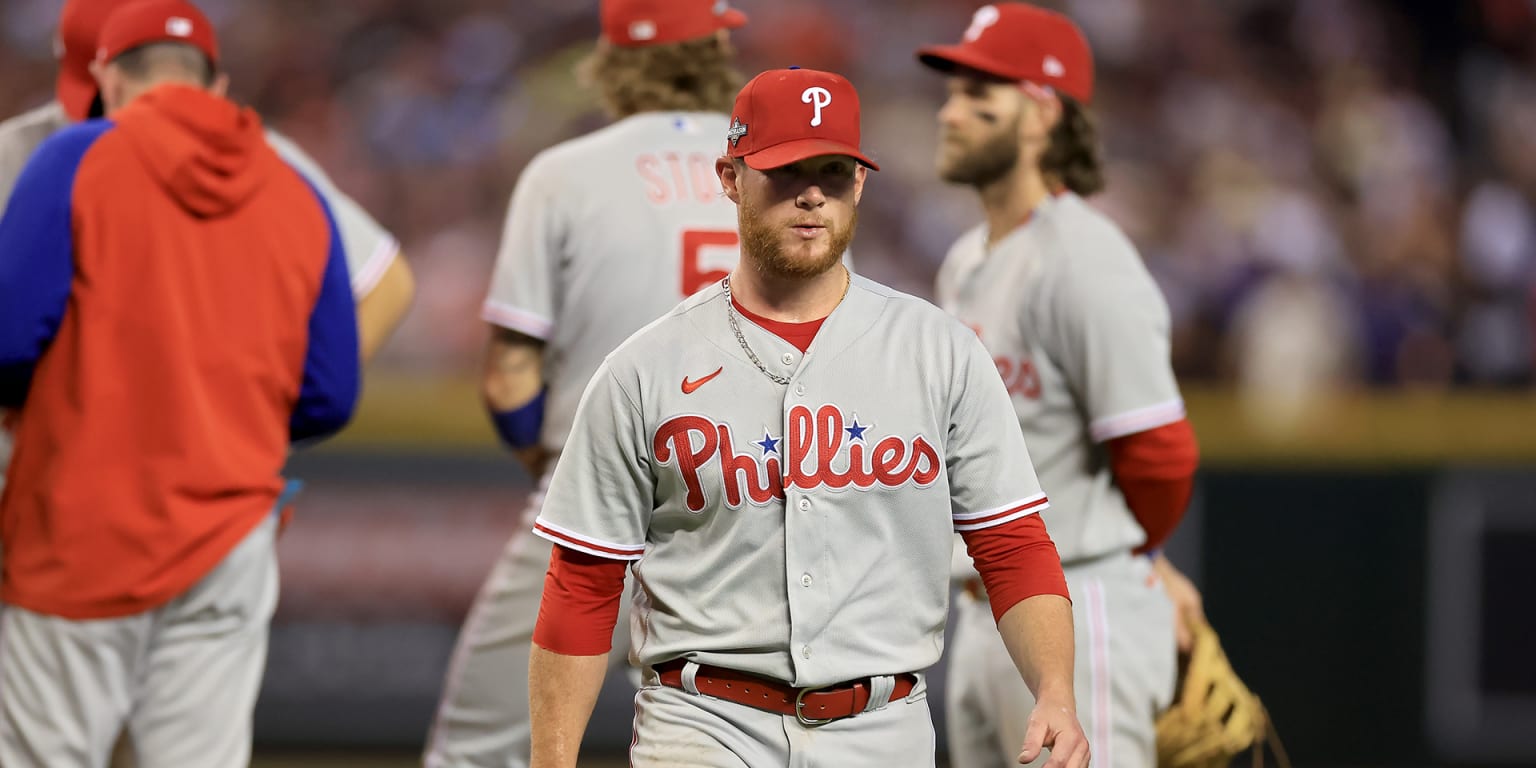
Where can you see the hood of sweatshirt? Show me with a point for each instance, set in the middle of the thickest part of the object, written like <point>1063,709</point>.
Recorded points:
<point>207,153</point>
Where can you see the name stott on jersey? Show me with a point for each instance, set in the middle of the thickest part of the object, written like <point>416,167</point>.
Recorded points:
<point>799,532</point>
<point>1081,341</point>
<point>582,271</point>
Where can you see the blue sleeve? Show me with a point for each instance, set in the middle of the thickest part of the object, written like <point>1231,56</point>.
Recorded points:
<point>37,263</point>
<point>520,427</point>
<point>332,366</point>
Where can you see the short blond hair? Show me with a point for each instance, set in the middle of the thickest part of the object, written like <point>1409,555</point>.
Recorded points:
<point>689,76</point>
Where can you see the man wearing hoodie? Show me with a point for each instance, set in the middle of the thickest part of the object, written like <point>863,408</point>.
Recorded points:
<point>381,279</point>
<point>175,310</point>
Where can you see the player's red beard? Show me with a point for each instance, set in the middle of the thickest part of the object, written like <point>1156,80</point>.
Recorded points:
<point>982,164</point>
<point>763,242</point>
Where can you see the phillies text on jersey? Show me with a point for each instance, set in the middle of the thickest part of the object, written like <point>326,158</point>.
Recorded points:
<point>815,455</point>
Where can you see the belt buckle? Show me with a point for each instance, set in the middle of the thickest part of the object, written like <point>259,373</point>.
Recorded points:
<point>810,722</point>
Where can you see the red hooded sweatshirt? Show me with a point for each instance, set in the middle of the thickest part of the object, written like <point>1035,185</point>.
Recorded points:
<point>175,310</point>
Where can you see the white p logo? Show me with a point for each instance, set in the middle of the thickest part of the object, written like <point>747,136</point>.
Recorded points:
<point>818,96</point>
<point>985,17</point>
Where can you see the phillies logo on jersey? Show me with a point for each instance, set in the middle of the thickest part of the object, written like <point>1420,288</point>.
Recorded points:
<point>822,450</point>
<point>1019,373</point>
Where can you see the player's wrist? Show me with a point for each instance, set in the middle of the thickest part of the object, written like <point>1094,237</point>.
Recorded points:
<point>1057,692</point>
<point>519,428</point>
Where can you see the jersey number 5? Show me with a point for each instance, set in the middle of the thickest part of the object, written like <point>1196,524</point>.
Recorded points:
<point>695,275</point>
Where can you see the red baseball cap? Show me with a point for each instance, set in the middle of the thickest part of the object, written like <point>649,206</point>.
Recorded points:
<point>784,116</point>
<point>1023,43</point>
<point>79,27</point>
<point>633,23</point>
<point>156,21</point>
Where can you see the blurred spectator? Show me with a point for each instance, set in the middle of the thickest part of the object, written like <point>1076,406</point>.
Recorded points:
<point>1331,192</point>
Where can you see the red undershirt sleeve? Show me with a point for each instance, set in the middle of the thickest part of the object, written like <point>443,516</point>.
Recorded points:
<point>581,603</point>
<point>1017,560</point>
<point>1155,470</point>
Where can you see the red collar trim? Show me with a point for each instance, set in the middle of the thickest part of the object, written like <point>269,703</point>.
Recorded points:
<point>799,334</point>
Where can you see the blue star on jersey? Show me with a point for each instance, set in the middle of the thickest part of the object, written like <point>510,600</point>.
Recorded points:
<point>855,432</point>
<point>769,444</point>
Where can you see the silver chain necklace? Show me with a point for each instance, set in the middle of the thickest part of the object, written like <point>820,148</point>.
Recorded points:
<point>730,314</point>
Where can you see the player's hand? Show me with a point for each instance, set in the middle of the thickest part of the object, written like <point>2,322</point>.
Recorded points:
<point>1188,609</point>
<point>534,459</point>
<point>1053,725</point>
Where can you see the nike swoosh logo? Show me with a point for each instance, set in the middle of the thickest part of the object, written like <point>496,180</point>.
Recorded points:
<point>690,386</point>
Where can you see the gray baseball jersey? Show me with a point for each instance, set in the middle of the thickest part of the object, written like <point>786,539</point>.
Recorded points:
<point>369,248</point>
<point>1079,332</point>
<point>605,233</point>
<point>19,136</point>
<point>799,532</point>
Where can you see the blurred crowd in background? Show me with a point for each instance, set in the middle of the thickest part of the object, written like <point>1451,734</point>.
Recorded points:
<point>1333,194</point>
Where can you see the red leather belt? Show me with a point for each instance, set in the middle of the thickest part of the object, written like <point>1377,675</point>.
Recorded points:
<point>811,706</point>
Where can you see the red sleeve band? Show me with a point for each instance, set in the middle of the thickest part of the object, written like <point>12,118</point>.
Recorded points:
<point>1017,560</point>
<point>581,603</point>
<point>1155,470</point>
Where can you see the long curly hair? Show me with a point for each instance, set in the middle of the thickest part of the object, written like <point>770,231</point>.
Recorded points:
<point>1073,155</point>
<point>689,76</point>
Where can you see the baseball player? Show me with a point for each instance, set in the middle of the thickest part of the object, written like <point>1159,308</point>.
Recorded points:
<point>1079,333</point>
<point>781,461</point>
<point>381,280</point>
<point>175,309</point>
<point>604,234</point>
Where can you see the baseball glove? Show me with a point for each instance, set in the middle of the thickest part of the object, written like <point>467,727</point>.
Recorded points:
<point>1214,717</point>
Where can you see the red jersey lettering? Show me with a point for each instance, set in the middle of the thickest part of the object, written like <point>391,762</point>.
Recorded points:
<point>818,444</point>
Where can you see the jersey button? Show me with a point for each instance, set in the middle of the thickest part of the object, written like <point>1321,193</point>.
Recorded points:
<point>788,359</point>
<point>799,389</point>
<point>805,651</point>
<point>805,579</point>
<point>805,505</point>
